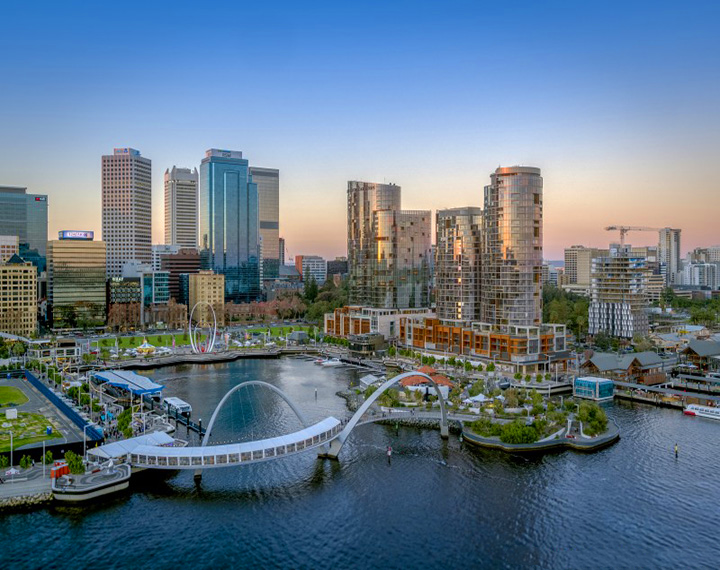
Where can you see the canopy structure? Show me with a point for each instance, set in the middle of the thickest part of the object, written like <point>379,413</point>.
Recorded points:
<point>129,381</point>
<point>146,347</point>
<point>122,448</point>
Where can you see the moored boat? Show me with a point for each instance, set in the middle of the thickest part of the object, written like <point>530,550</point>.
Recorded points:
<point>702,411</point>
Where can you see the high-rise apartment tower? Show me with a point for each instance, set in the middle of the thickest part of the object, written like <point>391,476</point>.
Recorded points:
<point>512,253</point>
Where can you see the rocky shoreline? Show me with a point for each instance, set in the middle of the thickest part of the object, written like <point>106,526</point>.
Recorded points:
<point>24,502</point>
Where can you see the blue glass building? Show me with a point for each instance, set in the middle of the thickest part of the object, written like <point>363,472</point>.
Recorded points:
<point>229,224</point>
<point>25,216</point>
<point>593,388</point>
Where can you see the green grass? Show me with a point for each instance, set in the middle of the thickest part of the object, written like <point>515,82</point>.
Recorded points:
<point>157,340</point>
<point>11,396</point>
<point>27,428</point>
<point>278,331</point>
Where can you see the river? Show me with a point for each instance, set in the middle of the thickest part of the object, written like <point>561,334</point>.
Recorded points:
<point>437,504</point>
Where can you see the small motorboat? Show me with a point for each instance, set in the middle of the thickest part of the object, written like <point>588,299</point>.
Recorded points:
<point>332,362</point>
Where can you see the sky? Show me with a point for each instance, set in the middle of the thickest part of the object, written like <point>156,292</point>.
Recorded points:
<point>616,102</point>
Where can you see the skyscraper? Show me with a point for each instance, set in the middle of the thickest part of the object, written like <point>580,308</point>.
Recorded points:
<point>365,199</point>
<point>229,223</point>
<point>181,214</point>
<point>512,252</point>
<point>281,251</point>
<point>669,254</point>
<point>25,216</point>
<point>268,185</point>
<point>457,263</point>
<point>126,208</point>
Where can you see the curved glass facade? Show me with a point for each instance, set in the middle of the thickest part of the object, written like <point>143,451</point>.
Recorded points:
<point>512,248</point>
<point>229,224</point>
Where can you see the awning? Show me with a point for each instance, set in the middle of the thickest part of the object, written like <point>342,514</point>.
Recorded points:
<point>129,381</point>
<point>122,448</point>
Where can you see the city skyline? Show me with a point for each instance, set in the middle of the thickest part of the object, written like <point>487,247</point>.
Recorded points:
<point>587,99</point>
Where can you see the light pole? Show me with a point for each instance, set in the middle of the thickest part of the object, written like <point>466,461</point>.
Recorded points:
<point>85,440</point>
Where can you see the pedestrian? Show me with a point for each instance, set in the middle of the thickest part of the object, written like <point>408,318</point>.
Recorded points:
<point>676,450</point>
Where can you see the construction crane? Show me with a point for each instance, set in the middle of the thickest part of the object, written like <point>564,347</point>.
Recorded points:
<point>625,229</point>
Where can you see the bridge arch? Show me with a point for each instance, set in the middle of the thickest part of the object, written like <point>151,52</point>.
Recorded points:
<point>334,447</point>
<point>234,389</point>
<point>193,333</point>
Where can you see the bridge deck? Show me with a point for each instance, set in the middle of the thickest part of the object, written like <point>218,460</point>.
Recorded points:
<point>155,457</point>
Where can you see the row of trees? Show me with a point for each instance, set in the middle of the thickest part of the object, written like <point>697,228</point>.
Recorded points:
<point>569,309</point>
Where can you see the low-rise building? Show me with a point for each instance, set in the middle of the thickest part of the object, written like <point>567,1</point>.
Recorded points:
<point>637,367</point>
<point>18,297</point>
<point>527,349</point>
<point>355,320</point>
<point>207,288</point>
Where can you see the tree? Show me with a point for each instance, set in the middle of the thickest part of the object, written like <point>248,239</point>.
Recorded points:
<point>48,458</point>
<point>4,461</point>
<point>518,432</point>
<point>310,290</point>
<point>491,367</point>
<point>25,462</point>
<point>75,463</point>
<point>511,400</point>
<point>18,348</point>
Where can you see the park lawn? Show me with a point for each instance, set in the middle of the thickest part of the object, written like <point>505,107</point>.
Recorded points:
<point>135,341</point>
<point>275,331</point>
<point>11,396</point>
<point>27,428</point>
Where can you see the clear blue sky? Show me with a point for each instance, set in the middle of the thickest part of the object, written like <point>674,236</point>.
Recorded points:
<point>617,102</point>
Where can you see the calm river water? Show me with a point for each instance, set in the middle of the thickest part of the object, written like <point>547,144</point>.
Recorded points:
<point>439,504</point>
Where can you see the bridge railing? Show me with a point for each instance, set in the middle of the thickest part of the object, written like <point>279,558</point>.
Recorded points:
<point>225,455</point>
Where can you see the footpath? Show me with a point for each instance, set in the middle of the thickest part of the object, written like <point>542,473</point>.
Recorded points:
<point>26,488</point>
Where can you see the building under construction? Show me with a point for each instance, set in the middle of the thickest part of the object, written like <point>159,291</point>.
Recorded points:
<point>618,294</point>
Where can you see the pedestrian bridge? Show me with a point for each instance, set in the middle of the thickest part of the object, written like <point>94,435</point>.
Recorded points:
<point>329,435</point>
<point>206,457</point>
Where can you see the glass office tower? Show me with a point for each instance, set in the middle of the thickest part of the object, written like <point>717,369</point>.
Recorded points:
<point>268,183</point>
<point>25,216</point>
<point>511,284</point>
<point>229,223</point>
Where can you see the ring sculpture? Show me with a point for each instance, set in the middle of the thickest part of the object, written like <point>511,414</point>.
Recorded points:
<point>193,332</point>
<point>333,448</point>
<point>278,391</point>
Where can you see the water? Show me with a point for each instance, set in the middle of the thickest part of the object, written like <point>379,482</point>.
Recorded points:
<point>439,504</point>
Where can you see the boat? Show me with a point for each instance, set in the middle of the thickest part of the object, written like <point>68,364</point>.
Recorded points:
<point>702,411</point>
<point>320,361</point>
<point>102,481</point>
<point>332,362</point>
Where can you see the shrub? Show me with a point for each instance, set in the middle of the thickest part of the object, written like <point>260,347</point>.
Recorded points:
<point>518,432</point>
<point>48,458</point>
<point>4,461</point>
<point>593,418</point>
<point>25,462</point>
<point>75,463</point>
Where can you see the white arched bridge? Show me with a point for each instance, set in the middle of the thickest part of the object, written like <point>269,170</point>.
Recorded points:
<point>328,436</point>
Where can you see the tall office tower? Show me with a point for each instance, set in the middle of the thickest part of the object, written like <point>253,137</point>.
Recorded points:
<point>281,251</point>
<point>512,251</point>
<point>76,280</point>
<point>18,297</point>
<point>669,254</point>
<point>126,208</point>
<point>268,185</point>
<point>181,213</point>
<point>365,201</point>
<point>618,294</point>
<point>9,246</point>
<point>229,229</point>
<point>458,233</point>
<point>25,216</point>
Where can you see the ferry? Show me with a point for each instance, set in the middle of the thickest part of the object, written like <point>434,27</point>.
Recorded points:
<point>702,411</point>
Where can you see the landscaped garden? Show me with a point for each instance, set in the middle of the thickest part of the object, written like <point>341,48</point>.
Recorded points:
<point>27,428</point>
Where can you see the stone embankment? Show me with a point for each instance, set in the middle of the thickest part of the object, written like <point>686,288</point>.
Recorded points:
<point>25,501</point>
